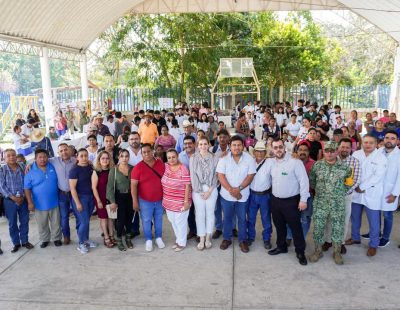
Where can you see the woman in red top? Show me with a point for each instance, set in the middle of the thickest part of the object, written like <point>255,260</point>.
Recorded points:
<point>177,197</point>
<point>102,167</point>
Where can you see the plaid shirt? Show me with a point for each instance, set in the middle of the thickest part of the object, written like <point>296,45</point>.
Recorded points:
<point>355,165</point>
<point>11,182</point>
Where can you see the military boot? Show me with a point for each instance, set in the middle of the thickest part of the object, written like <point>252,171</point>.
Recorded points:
<point>128,240</point>
<point>317,254</point>
<point>337,257</point>
<point>120,244</point>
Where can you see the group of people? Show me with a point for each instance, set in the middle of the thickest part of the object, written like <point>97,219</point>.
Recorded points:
<point>211,183</point>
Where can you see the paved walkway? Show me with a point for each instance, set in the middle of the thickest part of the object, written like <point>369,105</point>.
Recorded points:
<point>62,278</point>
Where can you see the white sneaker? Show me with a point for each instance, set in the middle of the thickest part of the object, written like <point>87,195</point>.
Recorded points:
<point>82,248</point>
<point>160,243</point>
<point>91,244</point>
<point>149,245</point>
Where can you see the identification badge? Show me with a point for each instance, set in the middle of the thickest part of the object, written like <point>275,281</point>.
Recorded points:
<point>284,173</point>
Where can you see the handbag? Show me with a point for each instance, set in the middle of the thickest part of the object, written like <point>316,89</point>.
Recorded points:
<point>112,214</point>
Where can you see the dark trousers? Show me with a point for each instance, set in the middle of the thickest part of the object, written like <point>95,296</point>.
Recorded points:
<point>136,223</point>
<point>192,220</point>
<point>285,211</point>
<point>124,214</point>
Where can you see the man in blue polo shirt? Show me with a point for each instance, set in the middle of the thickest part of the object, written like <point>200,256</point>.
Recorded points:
<point>41,191</point>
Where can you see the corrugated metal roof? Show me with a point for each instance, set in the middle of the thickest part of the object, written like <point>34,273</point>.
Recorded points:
<point>75,24</point>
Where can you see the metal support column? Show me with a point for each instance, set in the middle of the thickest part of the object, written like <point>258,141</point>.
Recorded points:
<point>46,85</point>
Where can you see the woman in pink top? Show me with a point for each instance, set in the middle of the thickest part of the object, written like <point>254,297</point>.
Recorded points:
<point>177,197</point>
<point>166,140</point>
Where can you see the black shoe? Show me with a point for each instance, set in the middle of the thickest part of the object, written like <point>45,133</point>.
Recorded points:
<point>58,243</point>
<point>250,242</point>
<point>28,245</point>
<point>217,234</point>
<point>191,235</point>
<point>15,248</point>
<point>135,234</point>
<point>277,251</point>
<point>343,249</point>
<point>302,259</point>
<point>365,236</point>
<point>44,244</point>
<point>1,252</point>
<point>234,233</point>
<point>267,244</point>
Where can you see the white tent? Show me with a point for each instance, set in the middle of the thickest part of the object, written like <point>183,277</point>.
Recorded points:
<point>72,25</point>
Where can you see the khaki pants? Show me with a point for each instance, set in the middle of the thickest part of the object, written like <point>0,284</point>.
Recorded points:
<point>48,224</point>
<point>328,227</point>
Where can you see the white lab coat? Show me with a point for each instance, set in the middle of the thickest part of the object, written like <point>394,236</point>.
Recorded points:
<point>373,171</point>
<point>392,179</point>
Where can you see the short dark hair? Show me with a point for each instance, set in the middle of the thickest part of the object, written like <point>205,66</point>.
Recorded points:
<point>237,138</point>
<point>62,144</point>
<point>345,140</point>
<point>15,128</point>
<point>146,145</point>
<point>110,117</point>
<point>392,132</point>
<point>91,137</point>
<point>118,114</point>
<point>223,132</point>
<point>157,112</point>
<point>108,135</point>
<point>312,129</point>
<point>39,151</point>
<point>368,135</point>
<point>189,138</point>
<point>31,121</point>
<point>134,133</point>
<point>338,131</point>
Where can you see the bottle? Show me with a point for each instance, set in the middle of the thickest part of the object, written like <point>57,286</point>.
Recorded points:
<point>18,194</point>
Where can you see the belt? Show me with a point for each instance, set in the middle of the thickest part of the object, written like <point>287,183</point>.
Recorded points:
<point>268,191</point>
<point>63,192</point>
<point>123,192</point>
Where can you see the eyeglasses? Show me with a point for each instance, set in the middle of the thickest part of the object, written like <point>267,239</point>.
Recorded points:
<point>280,147</point>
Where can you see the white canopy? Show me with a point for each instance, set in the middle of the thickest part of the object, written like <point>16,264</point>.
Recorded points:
<point>74,24</point>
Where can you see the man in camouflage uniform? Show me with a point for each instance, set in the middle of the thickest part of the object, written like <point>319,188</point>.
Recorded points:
<point>70,117</point>
<point>327,177</point>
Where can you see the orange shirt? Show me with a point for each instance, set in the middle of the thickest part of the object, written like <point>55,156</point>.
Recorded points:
<point>148,133</point>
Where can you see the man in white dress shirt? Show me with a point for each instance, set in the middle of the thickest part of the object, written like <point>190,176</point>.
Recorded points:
<point>290,191</point>
<point>260,192</point>
<point>134,149</point>
<point>235,173</point>
<point>368,195</point>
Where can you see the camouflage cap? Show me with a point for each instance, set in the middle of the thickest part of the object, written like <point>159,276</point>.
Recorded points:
<point>330,145</point>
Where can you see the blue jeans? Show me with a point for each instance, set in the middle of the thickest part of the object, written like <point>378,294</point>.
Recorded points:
<point>150,210</point>
<point>387,224</point>
<point>373,221</point>
<point>14,213</point>
<point>305,219</point>
<point>259,202</point>
<point>230,208</point>
<point>219,224</point>
<point>64,201</point>
<point>83,217</point>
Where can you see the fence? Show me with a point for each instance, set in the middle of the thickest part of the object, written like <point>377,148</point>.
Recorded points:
<point>130,99</point>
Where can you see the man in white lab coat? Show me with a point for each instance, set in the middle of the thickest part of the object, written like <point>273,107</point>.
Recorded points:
<point>391,186</point>
<point>368,195</point>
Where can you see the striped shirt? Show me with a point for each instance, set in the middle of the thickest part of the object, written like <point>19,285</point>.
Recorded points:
<point>354,164</point>
<point>174,183</point>
<point>11,182</point>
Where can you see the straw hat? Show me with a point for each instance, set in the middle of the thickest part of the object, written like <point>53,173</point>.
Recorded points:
<point>37,135</point>
<point>260,146</point>
<point>186,123</point>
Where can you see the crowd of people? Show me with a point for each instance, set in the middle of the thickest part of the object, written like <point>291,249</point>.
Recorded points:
<point>311,165</point>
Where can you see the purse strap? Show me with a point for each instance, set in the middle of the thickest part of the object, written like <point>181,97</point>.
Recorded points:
<point>153,170</point>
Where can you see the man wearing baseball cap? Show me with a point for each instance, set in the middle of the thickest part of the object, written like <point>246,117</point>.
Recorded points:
<point>328,177</point>
<point>188,130</point>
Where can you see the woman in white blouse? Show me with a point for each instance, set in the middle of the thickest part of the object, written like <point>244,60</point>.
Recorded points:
<point>203,165</point>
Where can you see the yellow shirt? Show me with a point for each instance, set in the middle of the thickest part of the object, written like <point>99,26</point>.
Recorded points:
<point>148,133</point>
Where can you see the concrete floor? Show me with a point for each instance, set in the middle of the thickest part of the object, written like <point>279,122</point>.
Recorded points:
<point>62,278</point>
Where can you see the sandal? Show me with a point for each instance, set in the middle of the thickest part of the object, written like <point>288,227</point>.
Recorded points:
<point>108,243</point>
<point>112,239</point>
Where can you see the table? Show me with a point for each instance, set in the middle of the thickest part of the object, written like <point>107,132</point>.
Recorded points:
<point>78,140</point>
